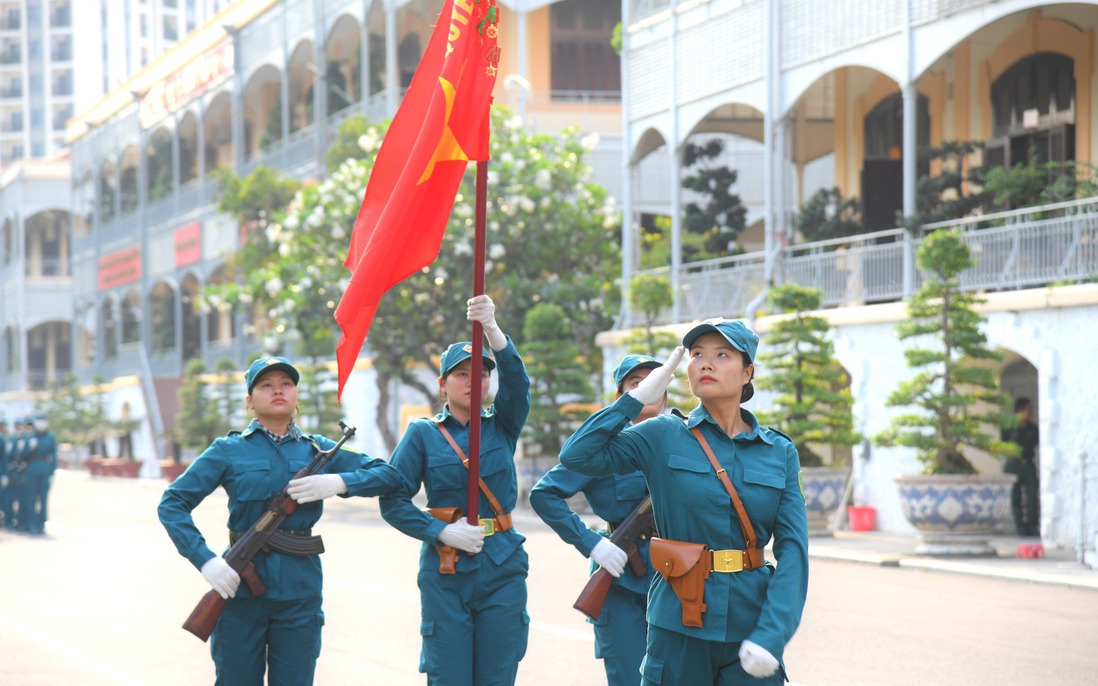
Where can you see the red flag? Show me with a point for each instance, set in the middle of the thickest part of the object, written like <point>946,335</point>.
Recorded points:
<point>440,126</point>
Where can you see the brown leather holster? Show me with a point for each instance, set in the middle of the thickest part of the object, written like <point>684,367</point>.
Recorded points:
<point>447,554</point>
<point>685,566</point>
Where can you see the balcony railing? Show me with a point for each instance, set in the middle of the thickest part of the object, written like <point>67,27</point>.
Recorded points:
<point>1027,248</point>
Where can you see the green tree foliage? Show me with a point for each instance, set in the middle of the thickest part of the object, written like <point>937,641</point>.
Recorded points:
<point>828,215</point>
<point>814,401</point>
<point>227,393</point>
<point>718,215</point>
<point>650,295</point>
<point>557,377</point>
<point>1040,183</point>
<point>655,243</point>
<point>320,412</point>
<point>71,411</point>
<point>199,420</point>
<point>952,193</point>
<point>255,198</point>
<point>956,397</point>
<point>551,237</point>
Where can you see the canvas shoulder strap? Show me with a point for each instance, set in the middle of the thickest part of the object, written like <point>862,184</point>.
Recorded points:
<point>465,462</point>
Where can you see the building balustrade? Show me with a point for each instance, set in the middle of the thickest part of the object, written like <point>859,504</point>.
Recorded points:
<point>1026,248</point>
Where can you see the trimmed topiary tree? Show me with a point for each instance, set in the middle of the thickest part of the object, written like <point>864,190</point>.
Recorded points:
<point>951,387</point>
<point>814,402</point>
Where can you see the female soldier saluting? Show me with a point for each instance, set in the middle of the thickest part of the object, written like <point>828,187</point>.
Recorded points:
<point>279,631</point>
<point>474,621</point>
<point>621,629</point>
<point>722,487</point>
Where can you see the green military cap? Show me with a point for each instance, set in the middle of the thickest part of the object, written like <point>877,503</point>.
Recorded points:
<point>630,363</point>
<point>459,352</point>
<point>734,331</point>
<point>266,364</point>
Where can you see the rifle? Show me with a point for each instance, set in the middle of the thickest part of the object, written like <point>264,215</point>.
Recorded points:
<point>205,614</point>
<point>638,525</point>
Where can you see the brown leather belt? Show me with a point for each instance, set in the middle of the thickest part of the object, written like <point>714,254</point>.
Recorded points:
<point>493,525</point>
<point>730,561</point>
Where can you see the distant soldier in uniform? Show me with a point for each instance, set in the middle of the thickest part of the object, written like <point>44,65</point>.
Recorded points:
<point>723,486</point>
<point>18,445</point>
<point>5,505</point>
<point>41,462</point>
<point>621,628</point>
<point>1024,493</point>
<point>279,631</point>
<point>472,579</point>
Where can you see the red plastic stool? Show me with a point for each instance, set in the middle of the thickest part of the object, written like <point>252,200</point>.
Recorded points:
<point>1030,551</point>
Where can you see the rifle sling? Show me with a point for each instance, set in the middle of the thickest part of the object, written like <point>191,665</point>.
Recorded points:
<point>465,462</point>
<point>753,557</point>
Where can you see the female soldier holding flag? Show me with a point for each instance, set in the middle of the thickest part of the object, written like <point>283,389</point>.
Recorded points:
<point>472,579</point>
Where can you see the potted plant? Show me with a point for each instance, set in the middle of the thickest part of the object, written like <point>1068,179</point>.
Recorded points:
<point>813,402</point>
<point>957,404</point>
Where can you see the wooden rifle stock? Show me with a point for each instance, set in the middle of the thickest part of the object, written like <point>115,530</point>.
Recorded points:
<point>204,616</point>
<point>639,524</point>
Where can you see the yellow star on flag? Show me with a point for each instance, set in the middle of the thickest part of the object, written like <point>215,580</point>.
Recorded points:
<point>448,150</point>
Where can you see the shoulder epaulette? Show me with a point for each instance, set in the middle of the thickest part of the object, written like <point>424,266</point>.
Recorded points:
<point>678,413</point>
<point>780,433</point>
<point>234,432</point>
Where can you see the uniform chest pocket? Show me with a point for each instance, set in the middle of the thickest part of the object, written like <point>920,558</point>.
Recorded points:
<point>445,472</point>
<point>630,486</point>
<point>762,491</point>
<point>691,482</point>
<point>251,480</point>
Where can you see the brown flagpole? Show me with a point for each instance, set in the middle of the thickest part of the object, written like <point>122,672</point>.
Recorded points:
<point>472,500</point>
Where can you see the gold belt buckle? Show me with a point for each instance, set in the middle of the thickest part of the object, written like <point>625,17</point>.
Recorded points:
<point>489,526</point>
<point>727,560</point>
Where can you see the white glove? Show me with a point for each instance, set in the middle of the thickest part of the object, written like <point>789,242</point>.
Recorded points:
<point>221,576</point>
<point>3,482</point>
<point>756,660</point>
<point>653,386</point>
<point>316,487</point>
<point>609,557</point>
<point>482,309</point>
<point>463,536</point>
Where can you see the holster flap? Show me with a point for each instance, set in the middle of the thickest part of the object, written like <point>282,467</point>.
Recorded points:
<point>675,558</point>
<point>446,514</point>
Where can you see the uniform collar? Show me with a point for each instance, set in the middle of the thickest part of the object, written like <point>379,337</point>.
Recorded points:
<point>700,414</point>
<point>254,425</point>
<point>441,417</point>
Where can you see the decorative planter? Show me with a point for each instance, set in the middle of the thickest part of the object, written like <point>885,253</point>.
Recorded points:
<point>114,466</point>
<point>956,514</point>
<point>171,469</point>
<point>823,493</point>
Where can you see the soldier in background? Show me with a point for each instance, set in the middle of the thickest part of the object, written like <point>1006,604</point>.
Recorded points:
<point>5,507</point>
<point>1023,495</point>
<point>41,463</point>
<point>15,516</point>
<point>621,628</point>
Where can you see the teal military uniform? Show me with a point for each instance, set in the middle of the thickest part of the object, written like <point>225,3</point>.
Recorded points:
<point>762,605</point>
<point>279,630</point>
<point>5,480</point>
<point>18,443</point>
<point>41,461</point>
<point>621,629</point>
<point>474,622</point>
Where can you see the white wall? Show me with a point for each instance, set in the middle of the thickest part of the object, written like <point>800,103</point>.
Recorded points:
<point>1054,329</point>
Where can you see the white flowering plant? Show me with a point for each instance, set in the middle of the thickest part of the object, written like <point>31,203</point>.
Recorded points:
<point>552,236</point>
